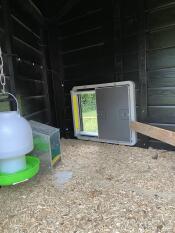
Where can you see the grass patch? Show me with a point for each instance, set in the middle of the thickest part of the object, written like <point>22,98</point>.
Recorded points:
<point>90,121</point>
<point>90,114</point>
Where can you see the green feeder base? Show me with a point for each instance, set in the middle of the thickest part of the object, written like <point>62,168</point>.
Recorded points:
<point>31,170</point>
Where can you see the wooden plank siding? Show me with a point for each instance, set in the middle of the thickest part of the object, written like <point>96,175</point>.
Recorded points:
<point>86,36</point>
<point>94,42</point>
<point>27,56</point>
<point>86,60</point>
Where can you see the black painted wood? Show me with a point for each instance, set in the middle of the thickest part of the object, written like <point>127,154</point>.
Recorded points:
<point>43,46</point>
<point>64,10</point>
<point>142,66</point>
<point>57,76</point>
<point>9,49</point>
<point>23,58</point>
<point>29,7</point>
<point>94,42</point>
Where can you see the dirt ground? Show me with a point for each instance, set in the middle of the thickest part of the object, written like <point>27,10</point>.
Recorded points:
<point>97,188</point>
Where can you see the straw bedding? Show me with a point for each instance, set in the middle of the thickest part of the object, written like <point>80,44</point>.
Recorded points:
<point>97,188</point>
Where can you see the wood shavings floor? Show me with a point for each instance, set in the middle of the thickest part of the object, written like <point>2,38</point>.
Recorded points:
<point>97,188</point>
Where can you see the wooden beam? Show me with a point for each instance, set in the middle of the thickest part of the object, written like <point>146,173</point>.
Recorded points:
<point>160,134</point>
<point>142,64</point>
<point>43,48</point>
<point>56,62</point>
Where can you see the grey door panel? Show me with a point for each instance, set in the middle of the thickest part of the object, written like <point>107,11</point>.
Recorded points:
<point>113,113</point>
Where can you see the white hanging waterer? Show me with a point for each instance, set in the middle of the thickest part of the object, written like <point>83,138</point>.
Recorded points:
<point>16,141</point>
<point>16,138</point>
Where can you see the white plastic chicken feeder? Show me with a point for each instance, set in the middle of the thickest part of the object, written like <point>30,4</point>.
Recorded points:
<point>16,141</point>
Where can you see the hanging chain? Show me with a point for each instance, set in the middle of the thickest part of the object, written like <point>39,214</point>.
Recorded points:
<point>2,76</point>
<point>3,81</point>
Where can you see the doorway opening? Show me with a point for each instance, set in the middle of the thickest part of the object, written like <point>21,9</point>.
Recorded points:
<point>88,113</point>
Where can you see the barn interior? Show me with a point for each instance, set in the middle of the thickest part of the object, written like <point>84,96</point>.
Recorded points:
<point>48,48</point>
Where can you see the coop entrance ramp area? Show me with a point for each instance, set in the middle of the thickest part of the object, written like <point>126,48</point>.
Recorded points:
<point>103,112</point>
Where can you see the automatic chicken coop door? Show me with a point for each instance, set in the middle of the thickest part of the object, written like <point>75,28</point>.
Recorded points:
<point>103,112</point>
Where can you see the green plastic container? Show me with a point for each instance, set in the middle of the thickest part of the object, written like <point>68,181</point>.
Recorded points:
<point>33,164</point>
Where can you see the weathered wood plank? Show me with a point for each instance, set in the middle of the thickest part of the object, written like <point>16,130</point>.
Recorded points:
<point>154,132</point>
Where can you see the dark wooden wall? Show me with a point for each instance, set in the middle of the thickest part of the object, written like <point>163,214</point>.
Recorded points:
<point>161,62</point>
<point>86,38</point>
<point>95,42</point>
<point>21,38</point>
<point>147,30</point>
<point>106,41</point>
